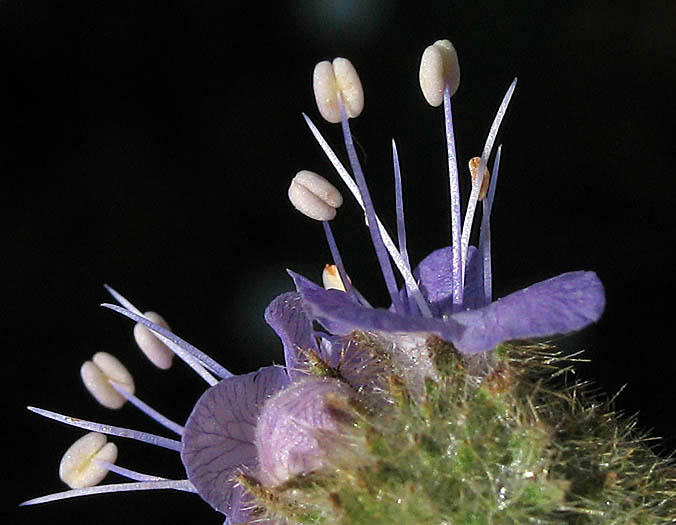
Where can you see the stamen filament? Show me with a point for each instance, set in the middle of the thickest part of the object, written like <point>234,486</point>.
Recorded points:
<point>403,268</point>
<point>175,484</point>
<point>194,357</point>
<point>469,215</point>
<point>151,439</point>
<point>128,473</point>
<point>337,259</point>
<point>192,361</point>
<point>485,155</point>
<point>401,223</point>
<point>454,185</point>
<point>376,237</point>
<point>147,409</point>
<point>485,231</point>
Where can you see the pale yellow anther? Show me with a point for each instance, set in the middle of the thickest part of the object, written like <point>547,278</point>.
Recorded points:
<point>474,171</point>
<point>439,67</point>
<point>314,196</point>
<point>97,374</point>
<point>150,345</point>
<point>79,467</point>
<point>331,278</point>
<point>331,80</point>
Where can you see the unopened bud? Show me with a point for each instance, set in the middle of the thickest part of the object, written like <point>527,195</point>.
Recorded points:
<point>293,421</point>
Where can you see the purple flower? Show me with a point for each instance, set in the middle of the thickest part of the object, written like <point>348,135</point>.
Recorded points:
<point>218,441</point>
<point>449,295</point>
<point>560,305</point>
<point>271,425</point>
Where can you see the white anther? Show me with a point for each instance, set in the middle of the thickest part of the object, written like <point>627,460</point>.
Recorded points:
<point>331,278</point>
<point>438,67</point>
<point>474,171</point>
<point>331,79</point>
<point>80,465</point>
<point>150,345</point>
<point>97,374</point>
<point>314,196</point>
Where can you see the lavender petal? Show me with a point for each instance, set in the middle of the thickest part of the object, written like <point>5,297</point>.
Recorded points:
<point>436,281</point>
<point>340,316</point>
<point>219,435</point>
<point>287,318</point>
<point>560,305</point>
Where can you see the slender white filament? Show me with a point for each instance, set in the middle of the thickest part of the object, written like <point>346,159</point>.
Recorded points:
<point>175,484</point>
<point>193,357</point>
<point>485,155</point>
<point>147,409</point>
<point>151,439</point>
<point>398,260</point>
<point>128,473</point>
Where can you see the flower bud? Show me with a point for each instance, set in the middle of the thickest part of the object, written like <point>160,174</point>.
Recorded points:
<point>292,423</point>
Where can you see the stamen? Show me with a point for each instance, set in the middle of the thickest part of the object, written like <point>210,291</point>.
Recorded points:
<point>480,181</point>
<point>439,80</point>
<point>97,375</point>
<point>439,67</point>
<point>154,349</point>
<point>331,278</point>
<point>401,223</point>
<point>485,155</point>
<point>454,186</point>
<point>484,178</point>
<point>109,429</point>
<point>128,473</point>
<point>194,357</point>
<point>376,237</point>
<point>332,102</point>
<point>192,361</point>
<point>329,80</point>
<point>403,268</point>
<point>485,231</point>
<point>337,259</point>
<point>81,466</point>
<point>148,410</point>
<point>178,484</point>
<point>314,196</point>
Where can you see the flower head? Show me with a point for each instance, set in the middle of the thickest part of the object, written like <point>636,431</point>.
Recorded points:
<point>449,294</point>
<point>250,434</point>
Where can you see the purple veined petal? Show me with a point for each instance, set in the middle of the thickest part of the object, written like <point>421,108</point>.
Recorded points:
<point>560,305</point>
<point>436,281</point>
<point>218,440</point>
<point>435,276</point>
<point>340,316</point>
<point>287,318</point>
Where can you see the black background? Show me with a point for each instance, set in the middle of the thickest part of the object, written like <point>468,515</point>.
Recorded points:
<point>149,145</point>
